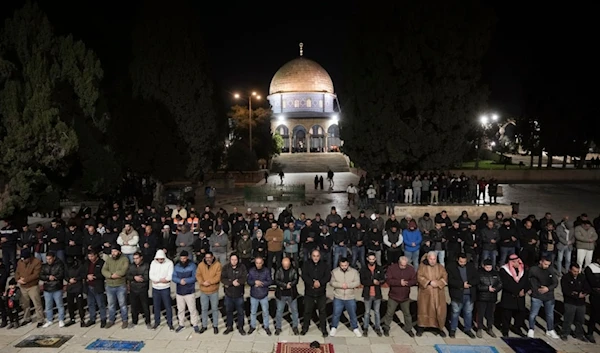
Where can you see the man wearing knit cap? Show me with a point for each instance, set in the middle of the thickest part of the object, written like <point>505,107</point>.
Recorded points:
<point>115,271</point>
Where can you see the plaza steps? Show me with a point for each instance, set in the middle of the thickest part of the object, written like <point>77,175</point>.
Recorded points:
<point>310,163</point>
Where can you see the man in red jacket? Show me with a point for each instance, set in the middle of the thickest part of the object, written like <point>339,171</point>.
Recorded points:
<point>399,278</point>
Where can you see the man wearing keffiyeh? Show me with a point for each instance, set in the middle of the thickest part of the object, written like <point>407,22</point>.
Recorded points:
<point>515,285</point>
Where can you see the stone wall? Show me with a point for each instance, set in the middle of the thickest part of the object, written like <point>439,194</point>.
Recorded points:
<point>454,211</point>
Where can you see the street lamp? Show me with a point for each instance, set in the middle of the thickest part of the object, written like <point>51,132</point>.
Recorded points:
<point>250,96</point>
<point>486,120</point>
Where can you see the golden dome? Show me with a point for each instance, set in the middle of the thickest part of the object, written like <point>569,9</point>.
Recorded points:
<point>301,75</point>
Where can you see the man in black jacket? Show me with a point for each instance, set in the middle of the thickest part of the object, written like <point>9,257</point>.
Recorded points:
<point>286,280</point>
<point>515,282</point>
<point>592,275</point>
<point>543,280</point>
<point>575,288</point>
<point>53,274</point>
<point>139,281</point>
<point>462,282</point>
<point>233,277</point>
<point>56,238</point>
<point>75,276</point>
<point>315,274</point>
<point>9,236</point>
<point>74,243</point>
<point>488,286</point>
<point>372,277</point>
<point>95,288</point>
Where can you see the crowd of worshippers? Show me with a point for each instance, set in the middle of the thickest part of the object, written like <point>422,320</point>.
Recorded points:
<point>101,266</point>
<point>424,188</point>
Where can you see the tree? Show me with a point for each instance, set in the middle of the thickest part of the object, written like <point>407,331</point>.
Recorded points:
<point>261,128</point>
<point>48,85</point>
<point>412,80</point>
<point>277,143</point>
<point>170,67</point>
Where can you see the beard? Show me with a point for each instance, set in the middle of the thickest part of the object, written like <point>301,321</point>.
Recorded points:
<point>372,263</point>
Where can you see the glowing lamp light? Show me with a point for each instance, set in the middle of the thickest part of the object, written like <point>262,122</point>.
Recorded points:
<point>494,117</point>
<point>258,97</point>
<point>236,96</point>
<point>254,93</point>
<point>280,118</point>
<point>484,119</point>
<point>334,119</point>
<point>493,143</point>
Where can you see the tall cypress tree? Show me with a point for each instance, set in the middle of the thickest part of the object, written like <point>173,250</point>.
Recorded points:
<point>412,83</point>
<point>170,67</point>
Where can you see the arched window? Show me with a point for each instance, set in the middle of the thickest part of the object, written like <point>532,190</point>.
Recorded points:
<point>320,103</point>
<point>296,104</point>
<point>308,103</point>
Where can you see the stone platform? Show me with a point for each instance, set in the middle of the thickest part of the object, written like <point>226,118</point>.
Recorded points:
<point>454,211</point>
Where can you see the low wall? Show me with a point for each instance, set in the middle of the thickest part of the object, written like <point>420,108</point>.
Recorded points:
<point>454,211</point>
<point>227,179</point>
<point>535,175</point>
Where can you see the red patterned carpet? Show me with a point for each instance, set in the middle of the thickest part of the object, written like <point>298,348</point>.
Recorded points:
<point>295,347</point>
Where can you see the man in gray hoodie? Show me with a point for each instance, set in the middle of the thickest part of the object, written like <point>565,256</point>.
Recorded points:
<point>543,281</point>
<point>185,240</point>
<point>218,244</point>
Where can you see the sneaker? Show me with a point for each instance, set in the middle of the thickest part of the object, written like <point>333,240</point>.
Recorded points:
<point>171,328</point>
<point>155,326</point>
<point>332,332</point>
<point>277,331</point>
<point>102,323</point>
<point>480,333</point>
<point>61,324</point>
<point>324,333</point>
<point>47,324</point>
<point>386,332</point>
<point>295,331</point>
<point>366,333</point>
<point>452,334</point>
<point>70,323</point>
<point>90,323</point>
<point>442,333</point>
<point>303,332</point>
<point>109,324</point>
<point>241,331</point>
<point>26,322</point>
<point>267,331</point>
<point>357,332</point>
<point>252,329</point>
<point>530,334</point>
<point>82,323</point>
<point>552,334</point>
<point>179,329</point>
<point>39,324</point>
<point>591,338</point>
<point>5,325</point>
<point>378,332</point>
<point>410,334</point>
<point>202,330</point>
<point>149,327</point>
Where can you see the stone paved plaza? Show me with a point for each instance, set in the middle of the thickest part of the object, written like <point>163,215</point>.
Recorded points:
<point>558,199</point>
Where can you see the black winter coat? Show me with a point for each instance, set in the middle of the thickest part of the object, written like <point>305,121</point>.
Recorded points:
<point>456,283</point>
<point>141,270</point>
<point>312,271</point>
<point>57,269</point>
<point>510,294</point>
<point>98,284</point>
<point>487,279</point>
<point>281,284</point>
<point>78,273</point>
<point>77,249</point>
<point>366,279</point>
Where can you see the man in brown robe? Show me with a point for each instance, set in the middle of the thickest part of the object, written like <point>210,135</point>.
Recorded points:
<point>431,301</point>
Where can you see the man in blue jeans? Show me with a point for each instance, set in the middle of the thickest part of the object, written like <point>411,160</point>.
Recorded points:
<point>286,279</point>
<point>340,242</point>
<point>412,243</point>
<point>259,279</point>
<point>344,280</point>
<point>543,280</point>
<point>490,237</point>
<point>234,277</point>
<point>115,271</point>
<point>208,276</point>
<point>161,274</point>
<point>462,281</point>
<point>95,288</point>
<point>53,274</point>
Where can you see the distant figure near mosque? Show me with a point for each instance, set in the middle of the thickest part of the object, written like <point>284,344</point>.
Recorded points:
<point>305,107</point>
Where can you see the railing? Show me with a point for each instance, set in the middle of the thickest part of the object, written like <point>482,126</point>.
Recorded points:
<point>274,192</point>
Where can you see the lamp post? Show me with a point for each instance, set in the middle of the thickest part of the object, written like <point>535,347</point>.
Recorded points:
<point>485,121</point>
<point>255,95</point>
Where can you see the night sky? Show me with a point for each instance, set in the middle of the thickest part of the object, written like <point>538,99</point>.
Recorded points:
<point>249,41</point>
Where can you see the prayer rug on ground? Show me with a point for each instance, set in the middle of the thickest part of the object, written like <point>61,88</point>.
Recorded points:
<point>528,345</point>
<point>43,341</point>
<point>303,347</point>
<point>110,345</point>
<point>455,348</point>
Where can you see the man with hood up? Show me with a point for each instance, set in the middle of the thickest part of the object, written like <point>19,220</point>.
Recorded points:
<point>161,274</point>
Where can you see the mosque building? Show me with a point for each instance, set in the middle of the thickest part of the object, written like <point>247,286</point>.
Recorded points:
<point>305,107</point>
